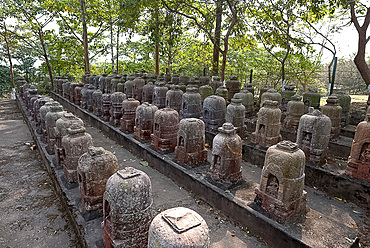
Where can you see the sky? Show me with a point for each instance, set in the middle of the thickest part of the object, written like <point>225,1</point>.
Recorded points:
<point>345,42</point>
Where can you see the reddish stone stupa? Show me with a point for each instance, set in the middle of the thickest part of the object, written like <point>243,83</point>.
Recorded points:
<point>359,159</point>
<point>94,169</point>
<point>144,121</point>
<point>178,227</point>
<point>281,191</point>
<point>226,155</point>
<point>128,114</point>
<point>190,147</point>
<point>165,127</point>
<point>75,144</point>
<point>127,209</point>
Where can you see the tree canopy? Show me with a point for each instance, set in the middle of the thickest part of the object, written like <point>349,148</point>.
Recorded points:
<point>278,40</point>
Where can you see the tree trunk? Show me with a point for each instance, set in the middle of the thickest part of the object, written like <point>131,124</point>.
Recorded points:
<point>169,60</point>
<point>9,57</point>
<point>156,58</point>
<point>46,58</point>
<point>111,42</point>
<point>156,42</point>
<point>359,60</point>
<point>117,48</point>
<point>224,57</point>
<point>84,37</point>
<point>216,43</point>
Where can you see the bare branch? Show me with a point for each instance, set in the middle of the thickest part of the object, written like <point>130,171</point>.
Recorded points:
<point>71,29</point>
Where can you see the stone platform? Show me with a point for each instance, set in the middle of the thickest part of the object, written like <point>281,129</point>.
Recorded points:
<point>314,230</point>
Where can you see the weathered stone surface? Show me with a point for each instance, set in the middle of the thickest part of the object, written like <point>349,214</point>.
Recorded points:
<point>94,169</point>
<point>333,110</point>
<point>114,82</point>
<point>359,160</point>
<point>286,95</point>
<point>295,109</point>
<point>60,82</point>
<point>29,93</point>
<point>216,82</point>
<point>20,81</point>
<point>61,130</point>
<point>144,121</point>
<point>116,107</point>
<point>178,227</point>
<point>281,191</point>
<point>204,80</point>
<point>223,92</point>
<point>250,88</point>
<point>32,102</point>
<point>235,114</point>
<point>50,120</point>
<point>175,79</point>
<point>345,103</point>
<point>97,102</point>
<point>205,91</point>
<point>311,99</point>
<point>129,86</point>
<point>107,84</point>
<point>159,95</point>
<point>190,147</point>
<point>165,128</point>
<point>247,101</point>
<point>84,78</point>
<point>174,98</point>
<point>43,111</point>
<point>127,120</point>
<point>127,209</point>
<point>37,115</point>
<point>268,125</point>
<point>75,143</point>
<point>233,86</point>
<point>66,88</point>
<point>272,95</point>
<point>72,91</point>
<point>191,106</point>
<point>313,135</point>
<point>84,96</point>
<point>78,94</point>
<point>148,92</point>
<point>102,82</point>
<point>214,111</point>
<point>138,88</point>
<point>89,92</point>
<point>105,109</point>
<point>184,79</point>
<point>96,81</point>
<point>226,155</point>
<point>262,90</point>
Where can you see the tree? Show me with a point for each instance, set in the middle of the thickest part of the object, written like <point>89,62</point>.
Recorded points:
<point>356,8</point>
<point>76,17</point>
<point>32,18</point>
<point>203,16</point>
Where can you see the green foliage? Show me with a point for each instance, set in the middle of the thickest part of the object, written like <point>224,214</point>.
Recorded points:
<point>5,82</point>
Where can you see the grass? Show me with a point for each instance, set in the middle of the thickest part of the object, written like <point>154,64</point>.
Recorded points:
<point>354,98</point>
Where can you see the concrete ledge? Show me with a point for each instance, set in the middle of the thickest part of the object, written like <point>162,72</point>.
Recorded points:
<point>197,181</point>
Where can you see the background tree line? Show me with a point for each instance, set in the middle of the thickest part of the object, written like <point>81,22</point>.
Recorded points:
<point>278,40</point>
